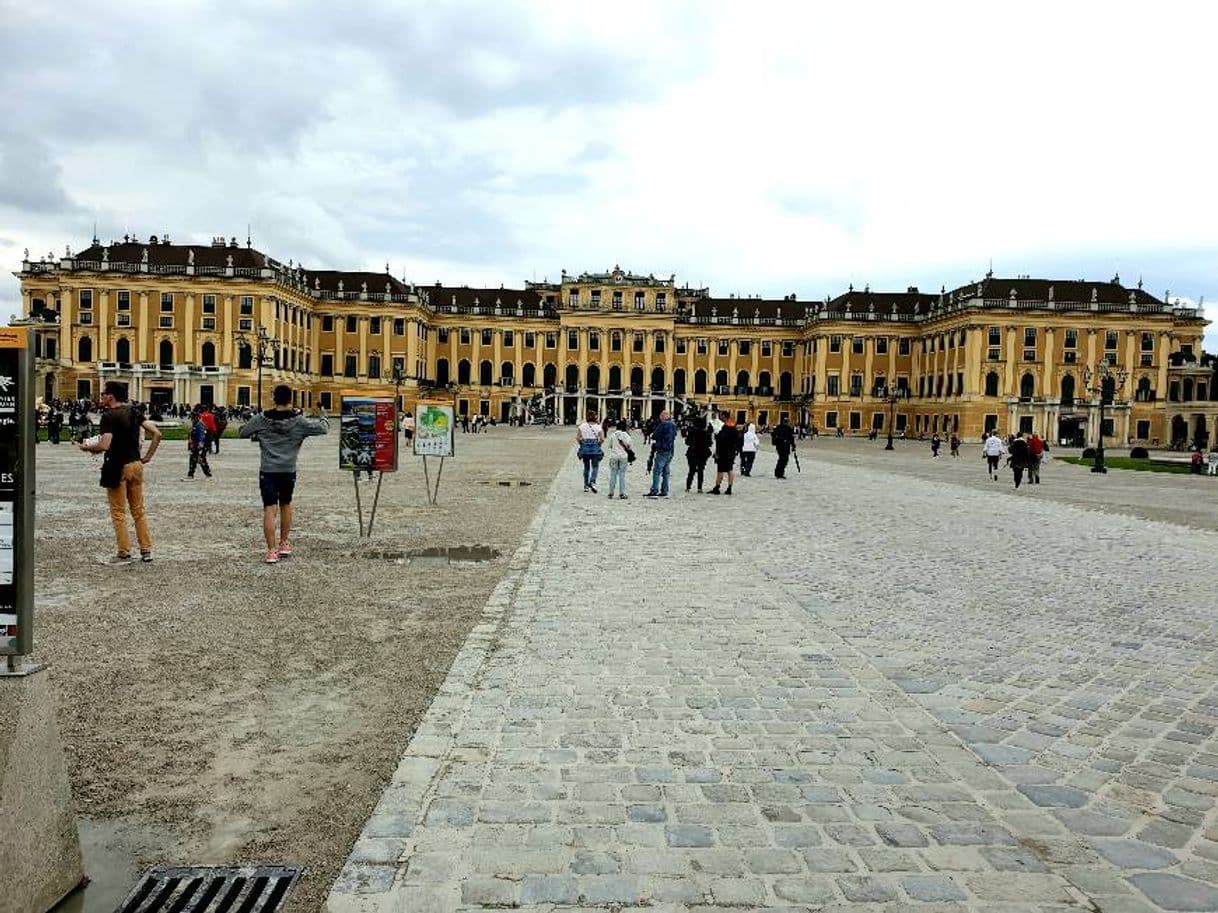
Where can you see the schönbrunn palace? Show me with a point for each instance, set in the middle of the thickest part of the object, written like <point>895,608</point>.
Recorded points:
<point>182,323</point>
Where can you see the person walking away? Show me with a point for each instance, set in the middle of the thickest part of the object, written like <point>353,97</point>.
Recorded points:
<point>1195,460</point>
<point>196,444</point>
<point>1036,452</point>
<point>620,455</point>
<point>588,438</point>
<point>935,444</point>
<point>783,439</point>
<point>993,449</point>
<point>221,418</point>
<point>122,472</point>
<point>1211,460</point>
<point>1019,457</point>
<point>748,450</point>
<point>698,442</point>
<point>727,445</point>
<point>954,443</point>
<point>408,428</point>
<point>663,440</point>
<point>279,432</point>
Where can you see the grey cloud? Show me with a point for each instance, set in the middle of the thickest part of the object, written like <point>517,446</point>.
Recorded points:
<point>30,178</point>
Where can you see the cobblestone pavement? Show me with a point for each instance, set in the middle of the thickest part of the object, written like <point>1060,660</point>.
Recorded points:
<point>849,690</point>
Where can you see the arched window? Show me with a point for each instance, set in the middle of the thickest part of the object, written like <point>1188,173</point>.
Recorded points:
<point>784,384</point>
<point>166,353</point>
<point>657,378</point>
<point>594,377</point>
<point>84,352</point>
<point>991,384</point>
<point>742,380</point>
<point>572,377</point>
<point>549,375</point>
<point>720,380</point>
<point>1027,386</point>
<point>508,370</point>
<point>1186,389</point>
<point>678,382</point>
<point>442,372</point>
<point>463,371</point>
<point>699,381</point>
<point>1068,390</point>
<point>636,380</point>
<point>528,374</point>
<point>615,377</point>
<point>763,380</point>
<point>1144,390</point>
<point>207,355</point>
<point>122,351</point>
<point>245,356</point>
<point>486,372</point>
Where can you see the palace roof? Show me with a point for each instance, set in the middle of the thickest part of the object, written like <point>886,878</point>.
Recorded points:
<point>164,254</point>
<point>1028,289</point>
<point>442,297</point>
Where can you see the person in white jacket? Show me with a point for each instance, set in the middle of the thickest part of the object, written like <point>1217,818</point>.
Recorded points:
<point>748,450</point>
<point>993,448</point>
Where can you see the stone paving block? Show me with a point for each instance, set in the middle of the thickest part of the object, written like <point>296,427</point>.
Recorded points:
<point>867,889</point>
<point>932,888</point>
<point>1173,892</point>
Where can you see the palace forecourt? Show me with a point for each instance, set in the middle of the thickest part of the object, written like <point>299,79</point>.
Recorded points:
<point>217,323</point>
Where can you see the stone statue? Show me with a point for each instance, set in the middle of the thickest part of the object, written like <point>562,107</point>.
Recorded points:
<point>144,256</point>
<point>105,255</point>
<point>26,256</point>
<point>363,288</point>
<point>190,257</point>
<point>316,283</point>
<point>228,261</point>
<point>340,285</point>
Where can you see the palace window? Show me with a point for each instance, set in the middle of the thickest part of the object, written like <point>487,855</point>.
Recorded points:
<point>615,341</point>
<point>681,346</point>
<point>722,348</point>
<point>399,326</point>
<point>594,341</point>
<point>617,301</point>
<point>834,385</point>
<point>374,326</point>
<point>856,345</point>
<point>856,384</point>
<point>701,347</point>
<point>530,340</point>
<point>767,349</point>
<point>374,366</point>
<point>831,419</point>
<point>209,323</point>
<point>995,336</point>
<point>1071,340</point>
<point>327,365</point>
<point>835,343</point>
<point>788,349</point>
<point>1029,337</point>
<point>247,305</point>
<point>881,345</point>
<point>442,334</point>
<point>903,345</point>
<point>1029,355</point>
<point>744,346</point>
<point>349,365</point>
<point>123,320</point>
<point>878,385</point>
<point>465,336</point>
<point>86,318</point>
<point>856,421</point>
<point>1148,342</point>
<point>245,324</point>
<point>638,301</point>
<point>399,366</point>
<point>124,301</point>
<point>596,298</point>
<point>661,301</point>
<point>85,299</point>
<point>551,340</point>
<point>352,323</point>
<point>573,298</point>
<point>509,338</point>
<point>573,340</point>
<point>638,342</point>
<point>209,304</point>
<point>166,322</point>
<point>166,302</point>
<point>327,323</point>
<point>659,342</point>
<point>487,337</point>
<point>1110,340</point>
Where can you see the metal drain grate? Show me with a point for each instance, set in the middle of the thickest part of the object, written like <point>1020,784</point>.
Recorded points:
<point>211,889</point>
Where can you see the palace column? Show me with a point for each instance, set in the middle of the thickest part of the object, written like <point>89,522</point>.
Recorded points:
<point>226,347</point>
<point>1046,383</point>
<point>410,368</point>
<point>1164,355</point>
<point>362,326</point>
<point>1009,388</point>
<point>190,329</point>
<point>102,311</point>
<point>649,345</point>
<point>822,355</point>
<point>669,358</point>
<point>387,352</point>
<point>868,362</point>
<point>1091,348</point>
<point>754,362</point>
<point>65,327</point>
<point>1131,361</point>
<point>143,333</point>
<point>340,351</point>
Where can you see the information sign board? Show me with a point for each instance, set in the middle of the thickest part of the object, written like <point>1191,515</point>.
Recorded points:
<point>368,437</point>
<point>16,493</point>
<point>433,430</point>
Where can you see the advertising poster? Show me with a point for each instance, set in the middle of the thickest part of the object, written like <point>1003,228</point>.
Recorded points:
<point>433,432</point>
<point>10,459</point>
<point>368,434</point>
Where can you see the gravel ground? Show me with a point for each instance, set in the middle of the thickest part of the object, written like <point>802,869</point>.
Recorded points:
<point>217,709</point>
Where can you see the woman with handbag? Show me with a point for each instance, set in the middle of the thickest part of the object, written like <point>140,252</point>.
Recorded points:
<point>621,455</point>
<point>588,438</point>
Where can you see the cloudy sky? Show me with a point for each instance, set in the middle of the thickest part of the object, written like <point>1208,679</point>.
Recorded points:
<point>755,147</point>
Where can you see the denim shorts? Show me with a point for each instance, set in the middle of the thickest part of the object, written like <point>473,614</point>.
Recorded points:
<point>276,487</point>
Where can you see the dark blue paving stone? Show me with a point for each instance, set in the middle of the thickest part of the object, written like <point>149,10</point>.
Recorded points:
<point>1093,824</point>
<point>1173,892</point>
<point>1049,795</point>
<point>1001,754</point>
<point>1133,854</point>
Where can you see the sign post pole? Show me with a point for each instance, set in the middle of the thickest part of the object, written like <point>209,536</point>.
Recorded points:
<point>39,846</point>
<point>380,477</point>
<point>433,436</point>
<point>368,441</point>
<point>359,509</point>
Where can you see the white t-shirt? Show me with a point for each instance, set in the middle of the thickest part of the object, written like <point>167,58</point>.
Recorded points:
<point>993,446</point>
<point>750,441</point>
<point>590,432</point>
<point>618,442</point>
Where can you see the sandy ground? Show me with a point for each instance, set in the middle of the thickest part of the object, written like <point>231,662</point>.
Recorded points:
<point>1184,499</point>
<point>217,709</point>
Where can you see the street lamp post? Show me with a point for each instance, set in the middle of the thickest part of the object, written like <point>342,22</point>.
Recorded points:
<point>1094,380</point>
<point>891,396</point>
<point>262,342</point>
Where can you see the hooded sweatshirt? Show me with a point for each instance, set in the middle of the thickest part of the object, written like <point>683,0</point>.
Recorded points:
<point>280,433</point>
<point>750,439</point>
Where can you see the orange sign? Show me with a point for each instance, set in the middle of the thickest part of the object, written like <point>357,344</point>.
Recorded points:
<point>13,337</point>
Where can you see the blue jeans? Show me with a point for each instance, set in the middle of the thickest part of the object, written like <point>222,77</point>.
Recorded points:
<point>659,471</point>
<point>591,464</point>
<point>617,476</point>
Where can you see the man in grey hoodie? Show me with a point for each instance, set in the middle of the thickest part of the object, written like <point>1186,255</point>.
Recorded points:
<point>279,433</point>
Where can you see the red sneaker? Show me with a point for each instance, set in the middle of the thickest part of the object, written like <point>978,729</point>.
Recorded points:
<point>285,549</point>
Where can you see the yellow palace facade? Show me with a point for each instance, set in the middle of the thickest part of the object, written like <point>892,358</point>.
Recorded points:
<point>183,323</point>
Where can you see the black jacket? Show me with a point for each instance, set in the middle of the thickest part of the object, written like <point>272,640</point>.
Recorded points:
<point>783,437</point>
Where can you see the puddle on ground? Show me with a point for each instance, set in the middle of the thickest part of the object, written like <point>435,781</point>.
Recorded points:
<point>113,851</point>
<point>435,556</point>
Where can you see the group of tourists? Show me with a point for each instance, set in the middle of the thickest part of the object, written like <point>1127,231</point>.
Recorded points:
<point>1023,455</point>
<point>279,431</point>
<point>717,436</point>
